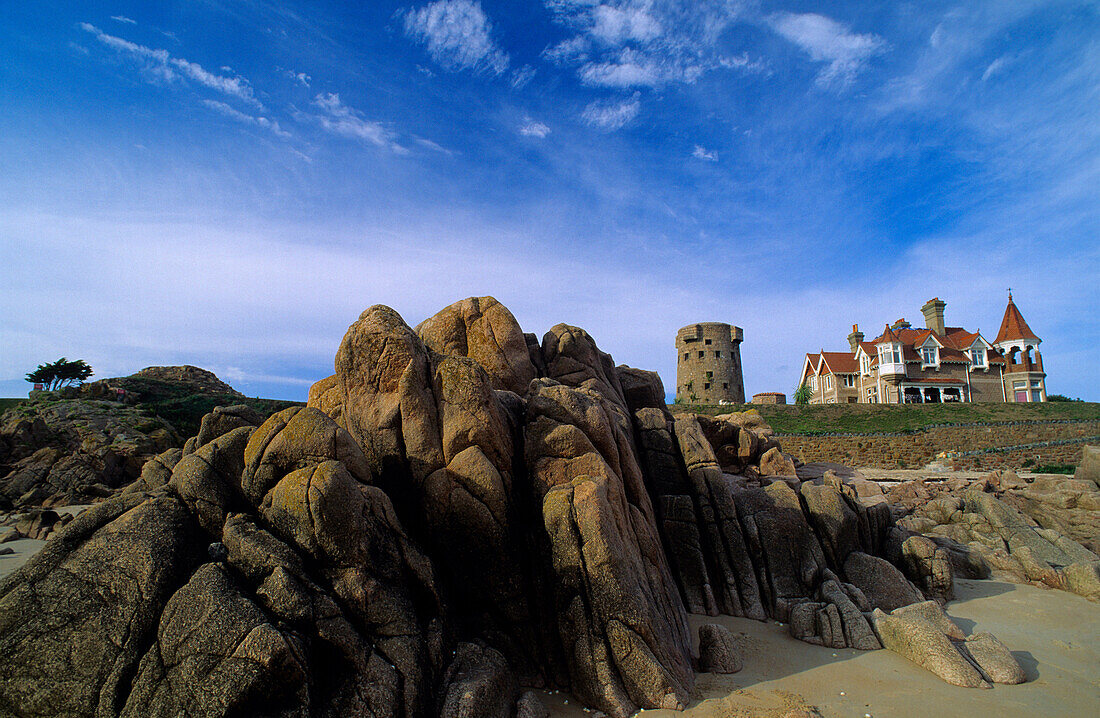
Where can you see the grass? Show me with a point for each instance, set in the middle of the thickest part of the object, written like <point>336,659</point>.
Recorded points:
<point>6,404</point>
<point>890,418</point>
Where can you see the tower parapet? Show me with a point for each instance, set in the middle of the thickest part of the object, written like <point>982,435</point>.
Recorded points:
<point>708,364</point>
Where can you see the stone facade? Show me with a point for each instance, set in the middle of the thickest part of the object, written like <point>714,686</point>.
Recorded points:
<point>708,364</point>
<point>769,397</point>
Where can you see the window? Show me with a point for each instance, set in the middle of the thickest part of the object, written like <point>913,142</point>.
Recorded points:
<point>686,355</point>
<point>865,364</point>
<point>706,386</point>
<point>1019,385</point>
<point>889,353</point>
<point>706,341</point>
<point>849,380</point>
<point>977,357</point>
<point>828,381</point>
<point>929,356</point>
<point>710,375</point>
<point>701,354</point>
<point>718,355</point>
<point>1036,384</point>
<point>813,383</point>
<point>725,385</point>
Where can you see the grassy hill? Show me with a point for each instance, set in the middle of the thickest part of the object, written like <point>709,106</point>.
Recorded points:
<point>875,418</point>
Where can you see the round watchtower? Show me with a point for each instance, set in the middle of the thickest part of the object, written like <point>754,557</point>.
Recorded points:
<point>708,364</point>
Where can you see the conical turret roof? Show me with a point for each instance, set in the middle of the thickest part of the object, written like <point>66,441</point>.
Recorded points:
<point>1013,326</point>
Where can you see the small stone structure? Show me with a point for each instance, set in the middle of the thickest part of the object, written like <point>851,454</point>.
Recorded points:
<point>708,364</point>
<point>769,397</point>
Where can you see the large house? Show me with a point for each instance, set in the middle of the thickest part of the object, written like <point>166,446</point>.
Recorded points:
<point>930,364</point>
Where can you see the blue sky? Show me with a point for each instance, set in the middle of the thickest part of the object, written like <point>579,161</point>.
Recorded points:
<point>229,184</point>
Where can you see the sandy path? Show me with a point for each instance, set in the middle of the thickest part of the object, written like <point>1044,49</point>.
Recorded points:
<point>1055,636</point>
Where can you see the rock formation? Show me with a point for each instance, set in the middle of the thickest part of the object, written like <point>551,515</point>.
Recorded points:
<point>459,510</point>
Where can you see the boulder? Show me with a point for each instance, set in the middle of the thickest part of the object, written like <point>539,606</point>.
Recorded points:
<point>477,684</point>
<point>1089,469</point>
<point>774,462</point>
<point>993,658</point>
<point>530,705</point>
<point>931,612</point>
<point>919,641</point>
<point>883,584</point>
<point>718,651</point>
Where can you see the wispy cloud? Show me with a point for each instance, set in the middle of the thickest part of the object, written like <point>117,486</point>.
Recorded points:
<point>163,66</point>
<point>702,153</point>
<point>522,76</point>
<point>996,66</point>
<point>458,36</point>
<point>339,119</point>
<point>532,128</point>
<point>612,115</point>
<point>643,43</point>
<point>244,118</point>
<point>300,78</point>
<point>828,41</point>
<point>123,19</point>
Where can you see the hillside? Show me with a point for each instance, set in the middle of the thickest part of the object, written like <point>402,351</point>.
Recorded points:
<point>889,418</point>
<point>83,443</point>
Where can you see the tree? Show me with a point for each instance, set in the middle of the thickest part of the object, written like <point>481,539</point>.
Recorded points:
<point>802,394</point>
<point>60,373</point>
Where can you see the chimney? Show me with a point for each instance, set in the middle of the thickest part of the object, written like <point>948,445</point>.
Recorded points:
<point>855,338</point>
<point>933,314</point>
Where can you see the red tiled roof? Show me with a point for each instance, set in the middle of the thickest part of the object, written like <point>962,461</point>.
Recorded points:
<point>1013,326</point>
<point>841,362</point>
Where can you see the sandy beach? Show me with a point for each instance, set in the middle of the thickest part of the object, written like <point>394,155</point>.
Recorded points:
<point>1053,634</point>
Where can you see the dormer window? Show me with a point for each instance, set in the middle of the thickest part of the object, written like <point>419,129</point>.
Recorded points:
<point>813,383</point>
<point>977,357</point>
<point>929,355</point>
<point>865,364</point>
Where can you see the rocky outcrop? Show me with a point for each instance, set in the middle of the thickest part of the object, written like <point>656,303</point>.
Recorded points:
<point>1041,530</point>
<point>459,510</point>
<point>203,381</point>
<point>55,453</point>
<point>718,650</point>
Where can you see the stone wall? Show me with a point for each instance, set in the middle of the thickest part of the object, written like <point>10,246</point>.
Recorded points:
<point>978,445</point>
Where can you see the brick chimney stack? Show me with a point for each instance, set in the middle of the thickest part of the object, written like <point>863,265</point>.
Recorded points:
<point>933,314</point>
<point>855,338</point>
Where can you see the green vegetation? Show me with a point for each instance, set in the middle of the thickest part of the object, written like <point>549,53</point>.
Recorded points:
<point>186,412</point>
<point>62,372</point>
<point>6,404</point>
<point>877,418</point>
<point>1054,469</point>
<point>802,394</point>
<point>1059,397</point>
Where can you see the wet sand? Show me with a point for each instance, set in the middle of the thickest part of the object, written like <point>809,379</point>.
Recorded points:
<point>1053,634</point>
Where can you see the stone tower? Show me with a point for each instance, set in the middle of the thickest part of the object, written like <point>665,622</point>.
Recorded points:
<point>708,364</point>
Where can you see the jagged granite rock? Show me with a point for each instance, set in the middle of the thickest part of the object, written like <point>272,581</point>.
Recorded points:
<point>482,329</point>
<point>883,584</point>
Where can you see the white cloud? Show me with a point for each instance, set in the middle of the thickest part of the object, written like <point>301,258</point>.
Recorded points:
<point>522,76</point>
<point>123,19</point>
<point>701,153</point>
<point>299,77</point>
<point>611,116</point>
<point>339,119</point>
<point>531,128</point>
<point>458,36</point>
<point>161,65</point>
<point>996,66</point>
<point>642,43</point>
<point>828,41</point>
<point>244,118</point>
